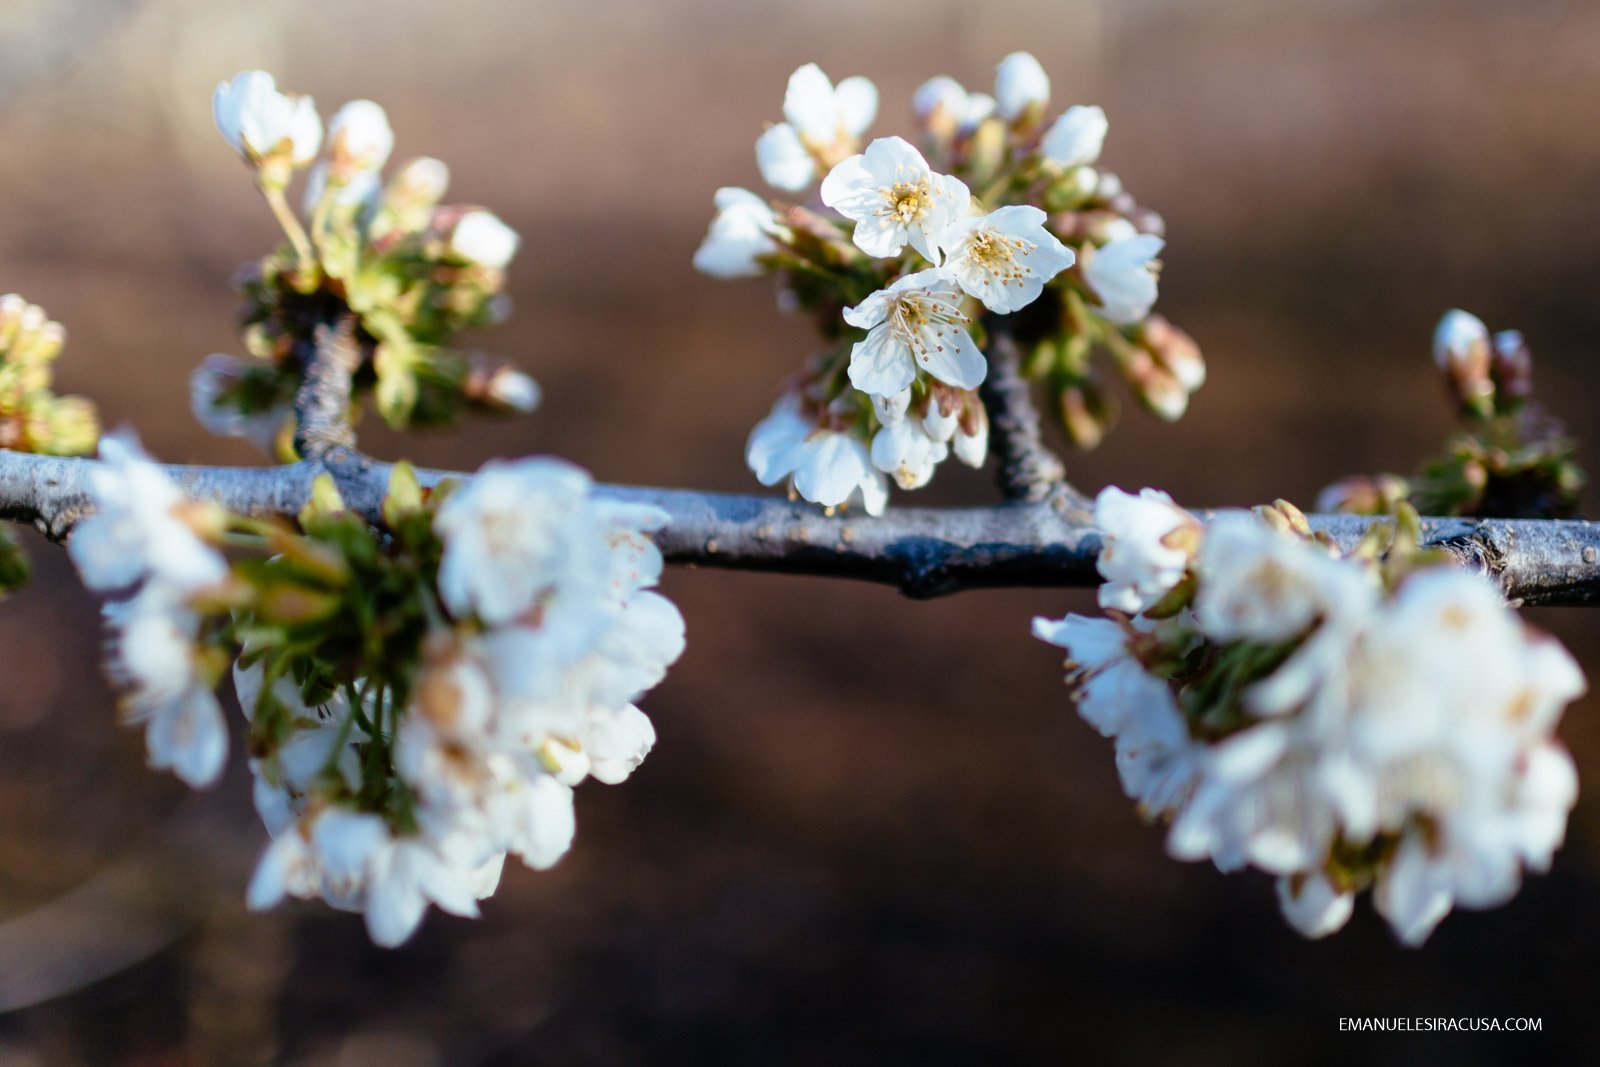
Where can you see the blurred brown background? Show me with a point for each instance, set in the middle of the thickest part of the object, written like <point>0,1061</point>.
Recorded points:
<point>872,831</point>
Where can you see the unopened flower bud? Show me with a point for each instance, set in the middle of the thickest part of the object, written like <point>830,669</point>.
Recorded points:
<point>943,414</point>
<point>1364,495</point>
<point>1462,350</point>
<point>1175,350</point>
<point>1109,187</point>
<point>1021,89</point>
<point>1075,186</point>
<point>939,104</point>
<point>971,444</point>
<point>1076,138</point>
<point>74,426</point>
<point>39,345</point>
<point>986,151</point>
<point>1144,220</point>
<point>1086,414</point>
<point>12,305</point>
<point>1284,517</point>
<point>892,409</point>
<point>1158,389</point>
<point>1512,367</point>
<point>480,237</point>
<point>359,139</point>
<point>500,385</point>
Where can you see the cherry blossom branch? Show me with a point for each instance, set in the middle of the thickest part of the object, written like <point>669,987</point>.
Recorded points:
<point>923,552</point>
<point>1028,469</point>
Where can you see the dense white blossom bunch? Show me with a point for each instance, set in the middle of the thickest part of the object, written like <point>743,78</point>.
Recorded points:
<point>411,270</point>
<point>553,632</point>
<point>916,259</point>
<point>1338,722</point>
<point>421,701</point>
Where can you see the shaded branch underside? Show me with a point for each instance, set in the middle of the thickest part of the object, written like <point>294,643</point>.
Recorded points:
<point>923,552</point>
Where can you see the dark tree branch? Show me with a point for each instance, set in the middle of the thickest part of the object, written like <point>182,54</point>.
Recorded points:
<point>923,552</point>
<point>1029,470</point>
<point>1045,536</point>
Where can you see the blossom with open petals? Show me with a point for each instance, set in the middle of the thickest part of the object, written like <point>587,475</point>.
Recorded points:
<point>1005,258</point>
<point>915,324</point>
<point>262,123</point>
<point>827,467</point>
<point>1122,273</point>
<point>895,199</point>
<point>743,230</point>
<point>821,121</point>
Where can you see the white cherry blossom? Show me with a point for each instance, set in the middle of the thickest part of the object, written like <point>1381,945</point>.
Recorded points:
<point>827,467</point>
<point>140,528</point>
<point>1149,542</point>
<point>1020,86</point>
<point>261,123</point>
<point>1122,274</point>
<point>743,231</point>
<point>945,107</point>
<point>895,199</point>
<point>154,662</point>
<point>1076,137</point>
<point>514,535</point>
<point>359,138</point>
<point>820,120</point>
<point>1005,258</point>
<point>915,324</point>
<point>907,454</point>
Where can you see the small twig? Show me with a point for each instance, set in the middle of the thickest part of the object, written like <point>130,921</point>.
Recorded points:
<point>1029,470</point>
<point>322,403</point>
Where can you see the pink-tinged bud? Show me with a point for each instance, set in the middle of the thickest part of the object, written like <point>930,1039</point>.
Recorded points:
<point>1175,350</point>
<point>359,139</point>
<point>1364,495</point>
<point>501,386</point>
<point>1512,368</point>
<point>971,444</point>
<point>1462,350</point>
<point>1087,413</point>
<point>1157,388</point>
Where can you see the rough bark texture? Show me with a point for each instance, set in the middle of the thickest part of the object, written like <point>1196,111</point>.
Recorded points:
<point>1047,540</point>
<point>1028,469</point>
<point>923,552</point>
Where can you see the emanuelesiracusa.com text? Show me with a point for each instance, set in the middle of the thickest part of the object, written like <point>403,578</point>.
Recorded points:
<point>1441,1023</point>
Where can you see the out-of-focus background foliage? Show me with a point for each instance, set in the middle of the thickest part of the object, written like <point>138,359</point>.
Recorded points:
<point>872,830</point>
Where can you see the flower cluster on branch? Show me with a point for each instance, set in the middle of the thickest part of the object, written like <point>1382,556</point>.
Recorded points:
<point>913,260</point>
<point>1341,721</point>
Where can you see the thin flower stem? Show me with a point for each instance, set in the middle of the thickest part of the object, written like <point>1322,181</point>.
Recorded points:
<point>296,233</point>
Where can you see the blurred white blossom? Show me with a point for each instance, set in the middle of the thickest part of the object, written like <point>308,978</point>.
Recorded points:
<point>1122,274</point>
<point>263,124</point>
<point>822,121</point>
<point>1020,86</point>
<point>1305,722</point>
